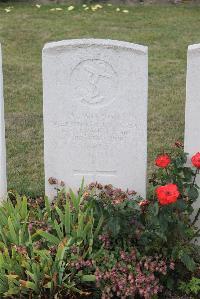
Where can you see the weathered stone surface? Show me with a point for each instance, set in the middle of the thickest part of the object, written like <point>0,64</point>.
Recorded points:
<point>95,113</point>
<point>3,180</point>
<point>192,110</point>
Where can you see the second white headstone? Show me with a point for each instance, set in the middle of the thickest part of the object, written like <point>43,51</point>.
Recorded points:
<point>192,111</point>
<point>95,113</point>
<point>3,179</point>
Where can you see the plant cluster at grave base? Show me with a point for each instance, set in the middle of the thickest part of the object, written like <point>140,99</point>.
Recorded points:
<point>104,242</point>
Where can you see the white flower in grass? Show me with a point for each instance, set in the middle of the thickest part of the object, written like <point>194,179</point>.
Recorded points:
<point>93,8</point>
<point>70,8</point>
<point>117,9</point>
<point>38,5</point>
<point>8,9</point>
<point>56,9</point>
<point>109,4</point>
<point>86,8</point>
<point>84,5</point>
<point>125,11</point>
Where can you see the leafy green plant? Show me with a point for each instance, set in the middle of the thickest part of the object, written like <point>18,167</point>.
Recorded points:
<point>103,242</point>
<point>13,222</point>
<point>40,247</point>
<point>161,220</point>
<point>191,287</point>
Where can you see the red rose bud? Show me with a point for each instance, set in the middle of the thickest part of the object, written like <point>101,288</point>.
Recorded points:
<point>163,161</point>
<point>179,144</point>
<point>196,160</point>
<point>167,194</point>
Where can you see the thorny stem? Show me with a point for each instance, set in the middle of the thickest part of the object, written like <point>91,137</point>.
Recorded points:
<point>167,172</point>
<point>198,212</point>
<point>194,236</point>
<point>196,217</point>
<point>195,175</point>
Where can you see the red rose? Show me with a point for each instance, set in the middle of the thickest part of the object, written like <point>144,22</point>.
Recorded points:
<point>167,194</point>
<point>162,161</point>
<point>196,160</point>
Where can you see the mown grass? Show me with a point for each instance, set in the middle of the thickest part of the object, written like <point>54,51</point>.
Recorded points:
<point>166,30</point>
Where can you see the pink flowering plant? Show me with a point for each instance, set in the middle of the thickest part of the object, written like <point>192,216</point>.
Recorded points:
<point>104,242</point>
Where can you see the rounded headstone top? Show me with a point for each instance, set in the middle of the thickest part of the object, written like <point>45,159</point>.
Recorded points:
<point>194,48</point>
<point>107,43</point>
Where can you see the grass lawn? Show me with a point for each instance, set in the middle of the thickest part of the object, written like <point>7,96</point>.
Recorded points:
<point>166,30</point>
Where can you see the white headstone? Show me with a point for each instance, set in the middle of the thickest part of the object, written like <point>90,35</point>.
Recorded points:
<point>192,112</point>
<point>3,180</point>
<point>95,113</point>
